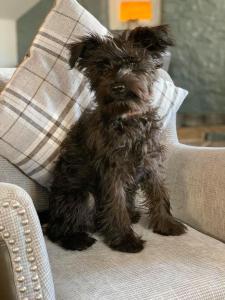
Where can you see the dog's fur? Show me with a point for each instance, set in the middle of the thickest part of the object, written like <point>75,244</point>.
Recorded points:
<point>114,147</point>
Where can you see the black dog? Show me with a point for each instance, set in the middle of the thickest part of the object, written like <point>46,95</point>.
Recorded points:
<point>114,147</point>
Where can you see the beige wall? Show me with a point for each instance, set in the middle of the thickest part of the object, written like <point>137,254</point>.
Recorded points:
<point>10,11</point>
<point>8,43</point>
<point>13,9</point>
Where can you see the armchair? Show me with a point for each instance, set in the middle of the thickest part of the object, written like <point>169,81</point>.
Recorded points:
<point>188,267</point>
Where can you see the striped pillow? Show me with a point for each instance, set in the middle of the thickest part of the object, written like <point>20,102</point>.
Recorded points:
<point>44,98</point>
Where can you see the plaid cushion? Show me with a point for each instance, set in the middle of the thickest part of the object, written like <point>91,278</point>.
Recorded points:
<point>44,98</point>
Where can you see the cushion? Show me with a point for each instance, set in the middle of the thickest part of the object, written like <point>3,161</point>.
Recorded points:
<point>44,98</point>
<point>10,174</point>
<point>188,267</point>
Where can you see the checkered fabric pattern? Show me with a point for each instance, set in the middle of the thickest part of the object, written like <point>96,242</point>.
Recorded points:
<point>44,97</point>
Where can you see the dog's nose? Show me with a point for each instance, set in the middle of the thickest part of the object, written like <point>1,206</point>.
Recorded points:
<point>118,88</point>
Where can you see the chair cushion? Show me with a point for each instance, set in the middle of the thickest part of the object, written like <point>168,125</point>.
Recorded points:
<point>187,267</point>
<point>44,98</point>
<point>10,174</point>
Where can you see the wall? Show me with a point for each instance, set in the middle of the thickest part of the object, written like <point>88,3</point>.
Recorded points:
<point>8,42</point>
<point>198,60</point>
<point>29,23</point>
<point>13,9</point>
<point>99,8</point>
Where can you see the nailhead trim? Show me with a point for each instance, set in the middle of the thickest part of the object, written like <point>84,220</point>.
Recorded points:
<point>15,249</point>
<point>37,288</point>
<point>19,269</point>
<point>31,259</point>
<point>28,240</point>
<point>21,278</point>
<point>29,250</point>
<point>15,204</point>
<point>21,212</point>
<point>35,278</point>
<point>17,259</point>
<point>25,222</point>
<point>23,289</point>
<point>6,235</point>
<point>27,231</point>
<point>33,268</point>
<point>11,242</point>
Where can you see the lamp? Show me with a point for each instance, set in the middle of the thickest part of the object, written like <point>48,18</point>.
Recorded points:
<point>134,11</point>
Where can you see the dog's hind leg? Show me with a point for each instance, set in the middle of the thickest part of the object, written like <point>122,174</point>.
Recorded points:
<point>71,217</point>
<point>157,202</point>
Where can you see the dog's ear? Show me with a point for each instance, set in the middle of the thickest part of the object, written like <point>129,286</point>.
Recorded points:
<point>154,39</point>
<point>82,49</point>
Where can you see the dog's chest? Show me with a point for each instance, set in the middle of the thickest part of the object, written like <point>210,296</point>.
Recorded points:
<point>121,141</point>
<point>129,138</point>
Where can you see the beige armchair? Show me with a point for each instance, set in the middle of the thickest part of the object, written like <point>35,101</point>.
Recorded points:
<point>187,267</point>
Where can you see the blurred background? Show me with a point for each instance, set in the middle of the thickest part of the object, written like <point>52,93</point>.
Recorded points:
<point>197,62</point>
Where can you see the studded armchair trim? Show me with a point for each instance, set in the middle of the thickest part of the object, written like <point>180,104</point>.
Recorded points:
<point>21,232</point>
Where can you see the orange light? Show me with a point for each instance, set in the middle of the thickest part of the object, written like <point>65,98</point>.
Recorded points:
<point>136,10</point>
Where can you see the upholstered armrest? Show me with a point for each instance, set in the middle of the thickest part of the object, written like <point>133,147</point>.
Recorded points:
<point>5,76</point>
<point>20,231</point>
<point>196,181</point>
<point>9,173</point>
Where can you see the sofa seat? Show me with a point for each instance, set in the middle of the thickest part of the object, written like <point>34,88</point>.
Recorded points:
<point>188,267</point>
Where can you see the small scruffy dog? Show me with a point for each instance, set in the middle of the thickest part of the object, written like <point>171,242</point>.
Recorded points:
<point>114,148</point>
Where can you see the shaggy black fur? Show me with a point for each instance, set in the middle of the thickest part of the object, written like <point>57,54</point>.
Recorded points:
<point>114,147</point>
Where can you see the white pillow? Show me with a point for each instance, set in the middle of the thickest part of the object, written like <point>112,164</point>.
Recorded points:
<point>44,98</point>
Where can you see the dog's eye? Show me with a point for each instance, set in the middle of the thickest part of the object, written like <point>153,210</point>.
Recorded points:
<point>104,64</point>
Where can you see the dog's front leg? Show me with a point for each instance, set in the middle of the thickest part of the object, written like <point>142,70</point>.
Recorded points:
<point>113,219</point>
<point>157,202</point>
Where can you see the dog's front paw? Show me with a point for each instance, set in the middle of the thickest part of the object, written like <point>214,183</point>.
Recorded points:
<point>168,226</point>
<point>78,241</point>
<point>129,244</point>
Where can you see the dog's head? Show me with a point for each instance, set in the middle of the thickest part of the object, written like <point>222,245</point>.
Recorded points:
<point>121,69</point>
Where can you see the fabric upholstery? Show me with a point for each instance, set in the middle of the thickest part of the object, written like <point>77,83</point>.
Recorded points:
<point>196,177</point>
<point>10,174</point>
<point>21,231</point>
<point>44,98</point>
<point>189,267</point>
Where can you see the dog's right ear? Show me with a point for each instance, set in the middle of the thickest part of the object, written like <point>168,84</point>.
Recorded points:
<point>155,39</point>
<point>82,49</point>
<point>76,50</point>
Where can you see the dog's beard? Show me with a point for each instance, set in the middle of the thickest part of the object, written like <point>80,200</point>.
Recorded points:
<point>122,107</point>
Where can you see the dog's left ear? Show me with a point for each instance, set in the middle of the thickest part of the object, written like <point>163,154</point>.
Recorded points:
<point>154,39</point>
